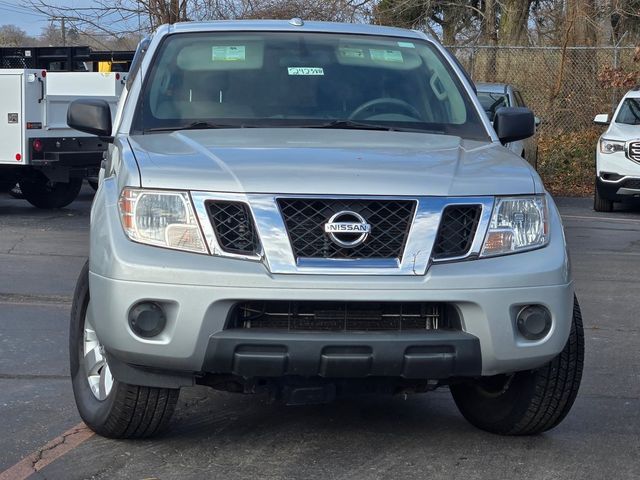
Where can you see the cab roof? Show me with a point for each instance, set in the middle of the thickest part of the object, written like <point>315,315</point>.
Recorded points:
<point>291,26</point>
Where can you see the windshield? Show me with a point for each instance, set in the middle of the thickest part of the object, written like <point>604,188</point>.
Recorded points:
<point>492,101</point>
<point>258,79</point>
<point>629,113</point>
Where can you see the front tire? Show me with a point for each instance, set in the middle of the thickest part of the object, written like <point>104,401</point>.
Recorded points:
<point>601,204</point>
<point>529,402</point>
<point>40,192</point>
<point>110,408</point>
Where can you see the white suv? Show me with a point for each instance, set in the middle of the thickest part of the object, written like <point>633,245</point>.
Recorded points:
<point>618,155</point>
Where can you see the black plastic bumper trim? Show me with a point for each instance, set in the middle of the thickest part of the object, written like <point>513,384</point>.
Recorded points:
<point>265,353</point>
<point>616,191</point>
<point>148,377</point>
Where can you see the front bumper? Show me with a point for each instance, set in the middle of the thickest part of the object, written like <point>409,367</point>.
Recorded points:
<point>194,339</point>
<point>622,190</point>
<point>198,291</point>
<point>613,173</point>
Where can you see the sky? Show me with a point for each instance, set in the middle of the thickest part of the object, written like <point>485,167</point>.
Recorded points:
<point>20,14</point>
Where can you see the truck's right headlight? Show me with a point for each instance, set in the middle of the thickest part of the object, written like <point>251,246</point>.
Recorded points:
<point>517,224</point>
<point>163,218</point>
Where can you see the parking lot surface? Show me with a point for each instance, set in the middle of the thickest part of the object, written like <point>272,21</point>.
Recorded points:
<point>230,436</point>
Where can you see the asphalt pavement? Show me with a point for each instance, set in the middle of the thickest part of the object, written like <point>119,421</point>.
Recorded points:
<point>230,436</point>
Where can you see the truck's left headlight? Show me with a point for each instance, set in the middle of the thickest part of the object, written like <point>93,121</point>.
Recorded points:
<point>163,218</point>
<point>517,224</point>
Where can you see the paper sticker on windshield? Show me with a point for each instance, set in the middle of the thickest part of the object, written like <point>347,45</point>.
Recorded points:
<point>386,55</point>
<point>406,45</point>
<point>306,71</point>
<point>350,52</point>
<point>230,53</point>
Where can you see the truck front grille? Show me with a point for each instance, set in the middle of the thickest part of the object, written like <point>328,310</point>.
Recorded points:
<point>390,222</point>
<point>457,231</point>
<point>633,151</point>
<point>234,227</point>
<point>343,316</point>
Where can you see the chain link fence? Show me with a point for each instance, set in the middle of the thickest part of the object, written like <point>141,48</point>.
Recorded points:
<point>559,84</point>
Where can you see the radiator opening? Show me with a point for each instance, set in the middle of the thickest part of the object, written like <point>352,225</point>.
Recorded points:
<point>344,316</point>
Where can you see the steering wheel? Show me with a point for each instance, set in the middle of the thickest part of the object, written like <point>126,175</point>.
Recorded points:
<point>395,102</point>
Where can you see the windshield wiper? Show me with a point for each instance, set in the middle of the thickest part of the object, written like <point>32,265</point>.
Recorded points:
<point>351,124</point>
<point>193,126</point>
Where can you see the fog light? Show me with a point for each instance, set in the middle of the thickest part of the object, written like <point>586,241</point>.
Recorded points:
<point>534,322</point>
<point>147,319</point>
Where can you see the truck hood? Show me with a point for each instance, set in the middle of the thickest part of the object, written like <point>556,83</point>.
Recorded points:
<point>329,162</point>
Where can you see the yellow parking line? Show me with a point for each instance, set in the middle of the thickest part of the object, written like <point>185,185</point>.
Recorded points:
<point>46,454</point>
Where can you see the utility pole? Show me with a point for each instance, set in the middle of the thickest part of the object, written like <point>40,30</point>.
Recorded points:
<point>63,27</point>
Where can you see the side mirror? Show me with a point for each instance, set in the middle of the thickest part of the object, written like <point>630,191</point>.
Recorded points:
<point>90,115</point>
<point>538,121</point>
<point>514,123</point>
<point>601,119</point>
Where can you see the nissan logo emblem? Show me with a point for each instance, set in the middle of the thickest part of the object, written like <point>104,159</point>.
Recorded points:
<point>347,229</point>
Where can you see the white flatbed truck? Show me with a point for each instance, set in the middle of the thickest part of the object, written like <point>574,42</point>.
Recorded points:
<point>38,150</point>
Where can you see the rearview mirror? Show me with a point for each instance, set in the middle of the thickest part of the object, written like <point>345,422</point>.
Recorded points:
<point>601,119</point>
<point>90,115</point>
<point>514,123</point>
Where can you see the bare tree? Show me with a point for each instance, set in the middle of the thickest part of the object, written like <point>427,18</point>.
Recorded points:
<point>492,21</point>
<point>446,20</point>
<point>123,17</point>
<point>514,15</point>
<point>141,16</point>
<point>624,18</point>
<point>12,36</point>
<point>489,22</point>
<point>581,22</point>
<point>329,10</point>
<point>501,22</point>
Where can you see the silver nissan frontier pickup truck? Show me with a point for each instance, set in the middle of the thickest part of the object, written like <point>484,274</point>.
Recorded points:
<point>307,210</point>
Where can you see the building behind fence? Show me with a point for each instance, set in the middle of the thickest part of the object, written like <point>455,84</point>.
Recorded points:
<point>559,84</point>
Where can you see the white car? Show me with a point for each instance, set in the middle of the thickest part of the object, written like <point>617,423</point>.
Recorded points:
<point>618,155</point>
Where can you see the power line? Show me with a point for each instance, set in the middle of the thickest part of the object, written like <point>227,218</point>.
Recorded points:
<point>14,7</point>
<point>31,14</point>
